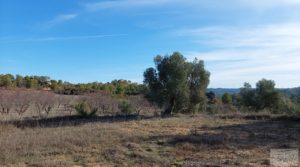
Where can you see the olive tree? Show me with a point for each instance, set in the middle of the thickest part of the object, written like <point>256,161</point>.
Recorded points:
<point>267,95</point>
<point>264,96</point>
<point>177,85</point>
<point>247,96</point>
<point>198,81</point>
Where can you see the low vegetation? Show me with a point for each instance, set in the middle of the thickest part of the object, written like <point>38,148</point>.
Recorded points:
<point>85,110</point>
<point>182,140</point>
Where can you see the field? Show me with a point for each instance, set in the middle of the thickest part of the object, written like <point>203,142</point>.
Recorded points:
<point>149,83</point>
<point>182,140</point>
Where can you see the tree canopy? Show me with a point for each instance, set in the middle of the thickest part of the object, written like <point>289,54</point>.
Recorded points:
<point>176,84</point>
<point>264,96</point>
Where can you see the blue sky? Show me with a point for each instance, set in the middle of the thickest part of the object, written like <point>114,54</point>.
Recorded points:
<point>100,40</point>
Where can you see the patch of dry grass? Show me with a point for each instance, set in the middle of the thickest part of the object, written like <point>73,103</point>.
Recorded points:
<point>151,142</point>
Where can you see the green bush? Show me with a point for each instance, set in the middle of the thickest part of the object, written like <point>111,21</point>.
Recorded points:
<point>264,97</point>
<point>85,110</point>
<point>286,105</point>
<point>125,107</point>
<point>226,98</point>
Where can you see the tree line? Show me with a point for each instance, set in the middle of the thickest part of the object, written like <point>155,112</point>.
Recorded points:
<point>116,87</point>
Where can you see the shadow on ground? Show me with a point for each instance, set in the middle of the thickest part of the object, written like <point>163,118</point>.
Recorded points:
<point>72,121</point>
<point>231,145</point>
<point>281,132</point>
<point>283,118</point>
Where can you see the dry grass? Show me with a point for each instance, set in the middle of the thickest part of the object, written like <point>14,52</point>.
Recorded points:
<point>205,140</point>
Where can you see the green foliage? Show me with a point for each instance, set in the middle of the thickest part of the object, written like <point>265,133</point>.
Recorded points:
<point>198,81</point>
<point>265,96</point>
<point>176,84</point>
<point>247,96</point>
<point>295,99</point>
<point>20,81</point>
<point>116,87</point>
<point>211,97</point>
<point>125,107</point>
<point>286,105</point>
<point>85,110</point>
<point>7,80</point>
<point>226,98</point>
<point>177,164</point>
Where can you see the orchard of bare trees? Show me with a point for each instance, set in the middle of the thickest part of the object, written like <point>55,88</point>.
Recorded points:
<point>23,103</point>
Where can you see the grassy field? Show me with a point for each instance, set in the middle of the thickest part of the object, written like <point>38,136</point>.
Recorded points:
<point>200,140</point>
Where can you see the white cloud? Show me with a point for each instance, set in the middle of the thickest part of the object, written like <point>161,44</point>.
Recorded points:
<point>249,53</point>
<point>268,3</point>
<point>124,4</point>
<point>59,19</point>
<point>129,4</point>
<point>279,35</point>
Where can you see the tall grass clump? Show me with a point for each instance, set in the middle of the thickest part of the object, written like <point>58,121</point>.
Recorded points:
<point>126,108</point>
<point>83,109</point>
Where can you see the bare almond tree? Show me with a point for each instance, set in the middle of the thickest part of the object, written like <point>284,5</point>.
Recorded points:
<point>68,108</point>
<point>59,100</point>
<point>104,102</point>
<point>6,101</point>
<point>44,102</point>
<point>139,103</point>
<point>66,102</point>
<point>22,100</point>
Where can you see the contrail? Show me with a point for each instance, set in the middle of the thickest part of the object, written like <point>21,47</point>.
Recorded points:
<point>62,38</point>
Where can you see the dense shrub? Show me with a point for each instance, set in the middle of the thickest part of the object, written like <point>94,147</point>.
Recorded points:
<point>125,107</point>
<point>226,98</point>
<point>211,97</point>
<point>286,105</point>
<point>85,110</point>
<point>265,97</point>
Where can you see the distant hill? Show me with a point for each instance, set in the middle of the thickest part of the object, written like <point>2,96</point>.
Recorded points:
<point>221,91</point>
<point>291,91</point>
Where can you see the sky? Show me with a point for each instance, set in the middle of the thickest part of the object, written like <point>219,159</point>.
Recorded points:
<point>101,40</point>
